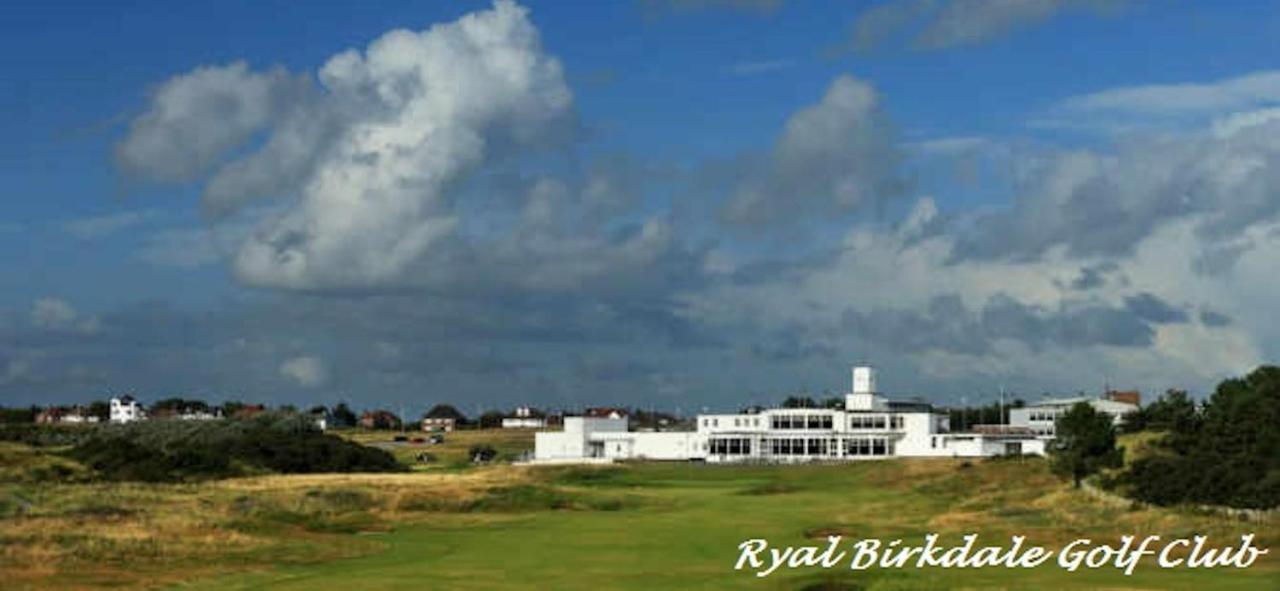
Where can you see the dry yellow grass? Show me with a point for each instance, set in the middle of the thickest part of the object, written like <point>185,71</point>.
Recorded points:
<point>141,535</point>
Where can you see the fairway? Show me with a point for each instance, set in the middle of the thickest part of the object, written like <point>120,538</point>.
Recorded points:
<point>678,526</point>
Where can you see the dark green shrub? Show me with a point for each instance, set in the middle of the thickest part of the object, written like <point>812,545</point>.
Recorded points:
<point>159,451</point>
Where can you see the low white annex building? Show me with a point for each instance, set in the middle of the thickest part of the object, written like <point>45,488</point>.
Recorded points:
<point>868,427</point>
<point>1041,417</point>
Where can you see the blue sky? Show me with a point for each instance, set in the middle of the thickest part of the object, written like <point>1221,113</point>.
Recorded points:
<point>681,203</point>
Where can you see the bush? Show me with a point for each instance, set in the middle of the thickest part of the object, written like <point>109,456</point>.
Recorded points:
<point>44,435</point>
<point>1224,453</point>
<point>159,451</point>
<point>482,453</point>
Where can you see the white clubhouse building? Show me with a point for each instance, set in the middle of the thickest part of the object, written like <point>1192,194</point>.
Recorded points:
<point>869,427</point>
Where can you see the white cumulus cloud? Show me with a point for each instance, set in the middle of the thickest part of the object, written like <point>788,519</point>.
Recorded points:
<point>306,371</point>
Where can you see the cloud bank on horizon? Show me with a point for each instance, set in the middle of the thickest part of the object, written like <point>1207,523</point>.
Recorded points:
<point>425,218</point>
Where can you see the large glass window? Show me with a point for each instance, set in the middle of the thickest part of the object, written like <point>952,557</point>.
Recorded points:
<point>878,447</point>
<point>734,446</point>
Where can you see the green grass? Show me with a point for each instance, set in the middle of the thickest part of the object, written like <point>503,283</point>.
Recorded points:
<point>682,527</point>
<point>638,526</point>
<point>452,455</point>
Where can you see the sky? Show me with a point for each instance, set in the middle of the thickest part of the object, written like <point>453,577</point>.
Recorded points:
<point>677,204</point>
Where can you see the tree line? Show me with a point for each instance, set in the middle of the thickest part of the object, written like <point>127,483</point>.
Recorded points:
<point>1222,451</point>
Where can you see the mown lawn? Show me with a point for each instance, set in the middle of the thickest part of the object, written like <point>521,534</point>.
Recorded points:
<point>678,526</point>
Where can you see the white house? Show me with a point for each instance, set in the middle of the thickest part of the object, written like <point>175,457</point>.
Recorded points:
<point>125,410</point>
<point>1041,417</point>
<point>78,416</point>
<point>524,418</point>
<point>868,427</point>
<point>193,414</point>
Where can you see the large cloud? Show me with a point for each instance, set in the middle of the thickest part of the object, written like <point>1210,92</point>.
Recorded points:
<point>1146,262</point>
<point>1100,203</point>
<point>195,118</point>
<point>832,158</point>
<point>372,156</point>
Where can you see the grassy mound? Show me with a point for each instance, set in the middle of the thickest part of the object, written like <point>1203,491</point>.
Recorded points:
<point>174,451</point>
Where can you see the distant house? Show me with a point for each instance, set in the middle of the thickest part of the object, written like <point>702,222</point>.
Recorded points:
<point>78,415</point>
<point>525,417</point>
<point>249,411</point>
<point>192,414</point>
<point>189,412</point>
<point>605,413</point>
<point>321,417</point>
<point>126,409</point>
<point>379,419</point>
<point>49,416</point>
<point>440,423</point>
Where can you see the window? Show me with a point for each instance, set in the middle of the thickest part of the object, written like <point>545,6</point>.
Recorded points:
<point>869,422</point>
<point>878,447</point>
<point>733,446</point>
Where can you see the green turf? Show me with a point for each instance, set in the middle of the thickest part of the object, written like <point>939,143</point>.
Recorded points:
<point>681,524</point>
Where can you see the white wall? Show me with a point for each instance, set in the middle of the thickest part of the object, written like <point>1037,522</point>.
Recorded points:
<point>675,445</point>
<point>559,445</point>
<point>572,441</point>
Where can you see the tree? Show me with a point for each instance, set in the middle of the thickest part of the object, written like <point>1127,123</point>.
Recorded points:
<point>799,402</point>
<point>1174,411</point>
<point>446,411</point>
<point>1223,453</point>
<point>18,415</point>
<point>231,407</point>
<point>1084,444</point>
<point>100,409</point>
<point>179,405</point>
<point>491,419</point>
<point>343,416</point>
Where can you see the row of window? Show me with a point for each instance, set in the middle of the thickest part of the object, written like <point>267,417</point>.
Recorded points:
<point>798,446</point>
<point>736,446</point>
<point>1042,415</point>
<point>800,422</point>
<point>875,422</point>
<point>867,446</point>
<point>815,422</point>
